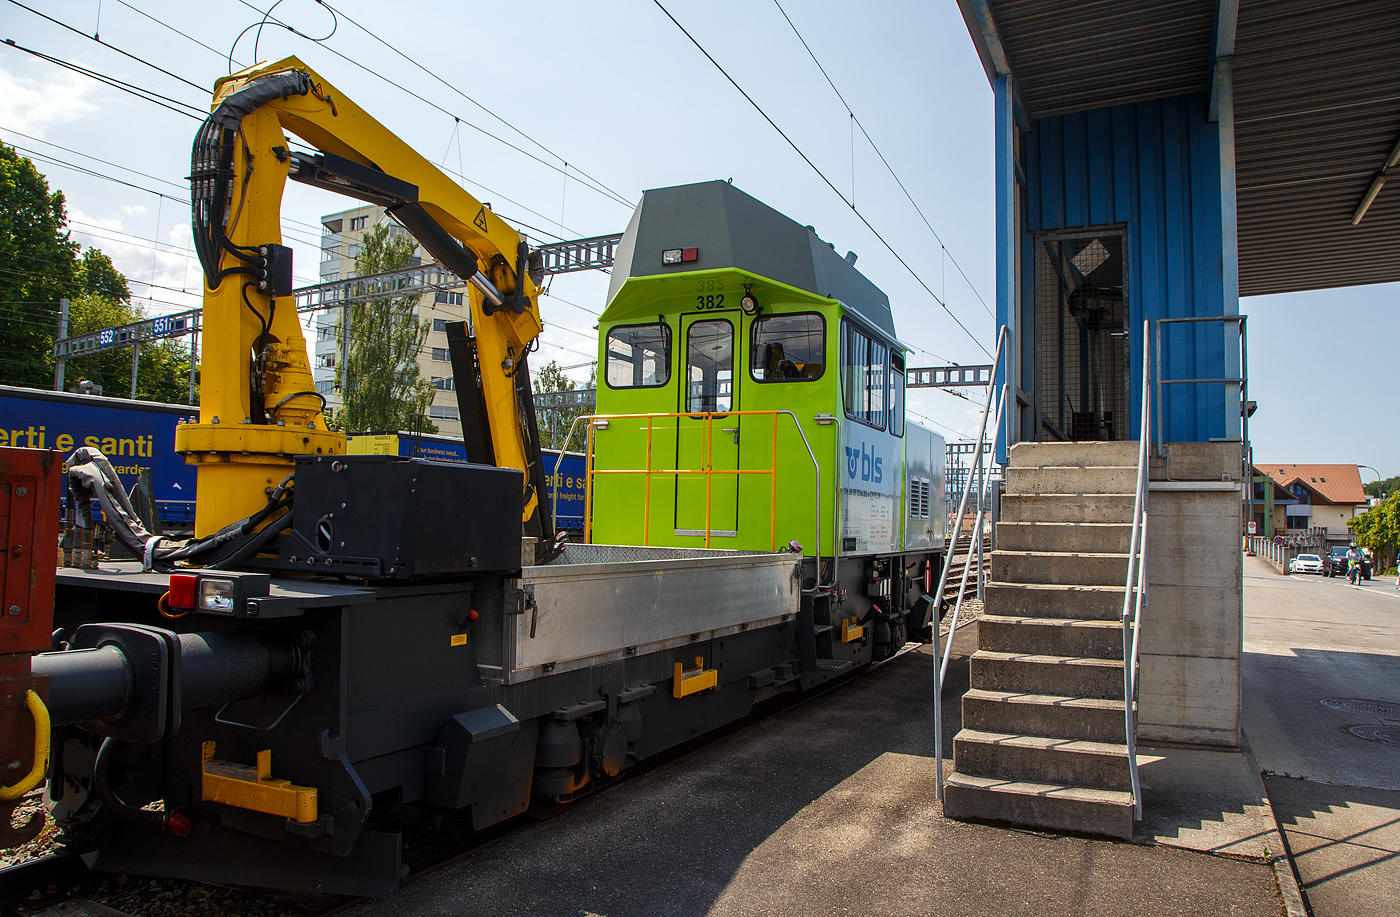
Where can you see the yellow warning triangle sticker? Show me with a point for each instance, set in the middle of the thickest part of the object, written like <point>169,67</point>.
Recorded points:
<point>480,221</point>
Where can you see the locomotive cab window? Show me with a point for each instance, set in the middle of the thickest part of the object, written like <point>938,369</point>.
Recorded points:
<point>897,380</point>
<point>788,348</point>
<point>639,356</point>
<point>864,376</point>
<point>709,367</point>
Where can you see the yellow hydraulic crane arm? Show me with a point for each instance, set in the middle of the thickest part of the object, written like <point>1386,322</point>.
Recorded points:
<point>258,403</point>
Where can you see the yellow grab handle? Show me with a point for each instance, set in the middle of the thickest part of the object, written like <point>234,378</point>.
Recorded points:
<point>41,748</point>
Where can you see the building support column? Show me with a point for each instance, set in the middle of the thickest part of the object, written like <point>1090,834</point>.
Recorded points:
<point>1008,196</point>
<point>1229,248</point>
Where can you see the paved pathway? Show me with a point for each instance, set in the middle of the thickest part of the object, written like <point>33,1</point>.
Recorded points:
<point>1322,713</point>
<point>826,809</point>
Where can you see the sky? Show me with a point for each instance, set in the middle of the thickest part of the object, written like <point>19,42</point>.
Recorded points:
<point>616,95</point>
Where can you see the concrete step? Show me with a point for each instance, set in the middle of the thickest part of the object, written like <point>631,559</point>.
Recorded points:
<point>1072,479</point>
<point>1028,673</point>
<point>1059,569</point>
<point>1029,455</point>
<point>1045,806</point>
<point>1068,507</point>
<point>1041,759</point>
<point>1093,719</point>
<point>1051,636</point>
<point>1097,537</point>
<point>1038,600</point>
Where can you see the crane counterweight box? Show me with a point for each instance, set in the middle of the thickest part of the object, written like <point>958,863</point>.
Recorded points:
<point>413,517</point>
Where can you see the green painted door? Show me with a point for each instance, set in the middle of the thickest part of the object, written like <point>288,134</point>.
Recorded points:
<point>708,434</point>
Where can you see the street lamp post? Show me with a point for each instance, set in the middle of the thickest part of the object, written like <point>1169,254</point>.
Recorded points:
<point>1379,479</point>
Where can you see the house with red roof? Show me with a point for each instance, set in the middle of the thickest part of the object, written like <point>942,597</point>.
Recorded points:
<point>1326,497</point>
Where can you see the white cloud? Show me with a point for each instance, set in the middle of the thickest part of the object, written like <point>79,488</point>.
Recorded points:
<point>136,210</point>
<point>32,106</point>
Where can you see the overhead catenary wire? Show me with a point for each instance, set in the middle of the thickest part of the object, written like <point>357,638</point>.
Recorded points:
<point>297,235</point>
<point>205,89</point>
<point>822,175</point>
<point>576,170</point>
<point>597,187</point>
<point>113,47</point>
<point>874,146</point>
<point>131,88</point>
<point>167,25</point>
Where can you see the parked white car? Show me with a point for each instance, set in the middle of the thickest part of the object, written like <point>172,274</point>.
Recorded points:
<point>1306,563</point>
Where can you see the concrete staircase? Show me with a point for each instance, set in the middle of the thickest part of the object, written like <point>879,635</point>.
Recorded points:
<point>1042,743</point>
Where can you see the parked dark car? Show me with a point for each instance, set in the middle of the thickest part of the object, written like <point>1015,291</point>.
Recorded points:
<point>1337,564</point>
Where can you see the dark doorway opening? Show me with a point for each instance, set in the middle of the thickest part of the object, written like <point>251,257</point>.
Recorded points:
<point>1081,339</point>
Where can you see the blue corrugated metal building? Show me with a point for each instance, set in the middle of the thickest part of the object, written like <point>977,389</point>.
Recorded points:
<point>1157,160</point>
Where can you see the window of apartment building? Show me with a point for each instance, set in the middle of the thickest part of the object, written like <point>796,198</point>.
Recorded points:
<point>354,250</point>
<point>440,355</point>
<point>442,412</point>
<point>325,332</point>
<point>1298,522</point>
<point>440,325</point>
<point>448,299</point>
<point>326,387</point>
<point>444,383</point>
<point>357,223</point>
<point>325,360</point>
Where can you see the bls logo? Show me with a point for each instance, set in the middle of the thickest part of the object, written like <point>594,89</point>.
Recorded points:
<point>866,462</point>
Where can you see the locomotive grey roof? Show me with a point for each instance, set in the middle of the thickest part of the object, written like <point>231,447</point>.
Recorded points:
<point>732,229</point>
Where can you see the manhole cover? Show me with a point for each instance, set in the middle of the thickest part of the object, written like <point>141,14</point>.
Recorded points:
<point>1386,735</point>
<point>1377,708</point>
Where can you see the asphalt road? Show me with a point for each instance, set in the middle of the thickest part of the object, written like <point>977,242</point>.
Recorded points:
<point>1322,715</point>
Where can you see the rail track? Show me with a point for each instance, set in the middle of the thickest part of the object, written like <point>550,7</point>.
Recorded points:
<point>955,572</point>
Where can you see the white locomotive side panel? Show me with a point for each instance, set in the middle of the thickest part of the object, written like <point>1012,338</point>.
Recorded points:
<point>870,485</point>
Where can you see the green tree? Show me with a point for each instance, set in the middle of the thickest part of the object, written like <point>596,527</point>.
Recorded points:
<point>96,274</point>
<point>163,366</point>
<point>555,422</point>
<point>381,386</point>
<point>1383,488</point>
<point>1379,529</point>
<point>37,268</point>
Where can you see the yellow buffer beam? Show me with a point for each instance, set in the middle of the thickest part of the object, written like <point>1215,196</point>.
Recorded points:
<point>692,681</point>
<point>255,789</point>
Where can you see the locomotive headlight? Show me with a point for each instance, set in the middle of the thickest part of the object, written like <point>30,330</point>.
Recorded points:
<point>216,595</point>
<point>750,305</point>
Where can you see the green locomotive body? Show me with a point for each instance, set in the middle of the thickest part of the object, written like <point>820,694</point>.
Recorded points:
<point>752,396</point>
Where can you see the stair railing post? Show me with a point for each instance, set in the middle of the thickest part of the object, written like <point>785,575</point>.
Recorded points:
<point>940,665</point>
<point>981,501</point>
<point>1135,585</point>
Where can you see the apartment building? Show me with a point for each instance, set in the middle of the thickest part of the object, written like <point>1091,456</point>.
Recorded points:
<point>341,236</point>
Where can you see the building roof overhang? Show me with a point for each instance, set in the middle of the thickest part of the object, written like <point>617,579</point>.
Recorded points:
<point>1316,99</point>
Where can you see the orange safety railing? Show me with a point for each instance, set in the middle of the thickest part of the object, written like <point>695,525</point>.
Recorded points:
<point>706,467</point>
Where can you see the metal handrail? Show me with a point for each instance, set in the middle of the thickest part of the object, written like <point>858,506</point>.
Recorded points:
<point>1135,587</point>
<point>708,470</point>
<point>999,398</point>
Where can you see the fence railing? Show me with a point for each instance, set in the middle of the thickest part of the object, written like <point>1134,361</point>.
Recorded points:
<point>706,468</point>
<point>1135,587</point>
<point>993,410</point>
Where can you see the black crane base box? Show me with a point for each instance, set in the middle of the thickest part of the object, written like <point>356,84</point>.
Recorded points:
<point>383,516</point>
